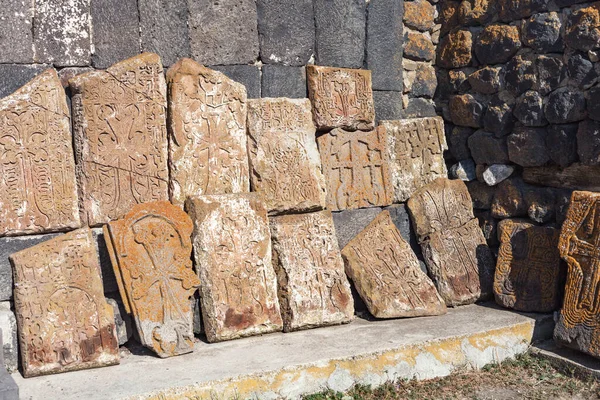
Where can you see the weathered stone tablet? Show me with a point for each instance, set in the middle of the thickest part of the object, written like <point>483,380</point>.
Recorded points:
<point>356,169</point>
<point>38,190</point>
<point>232,249</point>
<point>457,256</point>
<point>341,97</point>
<point>120,137</point>
<point>64,321</point>
<point>579,245</point>
<point>529,274</point>
<point>416,150</point>
<point>386,273</point>
<point>313,288</point>
<point>151,250</point>
<point>207,132</point>
<point>285,162</point>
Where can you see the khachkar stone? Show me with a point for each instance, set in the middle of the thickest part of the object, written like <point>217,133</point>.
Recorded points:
<point>528,272</point>
<point>285,162</point>
<point>341,97</point>
<point>386,273</point>
<point>207,132</point>
<point>120,137</point>
<point>416,150</point>
<point>313,288</point>
<point>150,250</point>
<point>38,190</point>
<point>455,251</point>
<point>356,169</point>
<point>64,321</point>
<point>232,250</point>
<point>579,245</point>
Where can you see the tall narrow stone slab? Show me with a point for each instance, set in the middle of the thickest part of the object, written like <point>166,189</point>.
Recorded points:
<point>416,150</point>
<point>38,191</point>
<point>528,273</point>
<point>120,137</point>
<point>386,273</point>
<point>457,256</point>
<point>579,245</point>
<point>150,249</point>
<point>64,321</point>
<point>313,288</point>
<point>232,249</point>
<point>285,162</point>
<point>207,133</point>
<point>341,97</point>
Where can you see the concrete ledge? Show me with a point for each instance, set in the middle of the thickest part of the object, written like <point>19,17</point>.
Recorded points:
<point>568,360</point>
<point>292,364</point>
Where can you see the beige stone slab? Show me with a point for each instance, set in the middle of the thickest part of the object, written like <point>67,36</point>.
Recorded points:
<point>356,169</point>
<point>64,321</point>
<point>341,97</point>
<point>232,249</point>
<point>207,132</point>
<point>120,137</point>
<point>285,162</point>
<point>38,190</point>
<point>386,273</point>
<point>151,253</point>
<point>416,150</point>
<point>313,288</point>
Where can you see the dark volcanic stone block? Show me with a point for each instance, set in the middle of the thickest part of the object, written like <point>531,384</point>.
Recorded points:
<point>512,10</point>
<point>487,80</point>
<point>418,108</point>
<point>527,147</point>
<point>115,31</point>
<point>565,105</point>
<point>588,142</point>
<point>581,28</point>
<point>384,44</point>
<point>498,117</point>
<point>550,73</point>
<point>561,142</point>
<point>350,223</point>
<point>286,30</point>
<point>13,76</point>
<point>481,194</point>
<point>496,44</point>
<point>542,32</point>
<point>16,38</point>
<point>593,103</point>
<point>247,75</point>
<point>581,71</point>
<point>340,32</point>
<point>164,29</point>
<point>466,110</point>
<point>519,75</point>
<point>425,82</point>
<point>487,148</point>
<point>529,109</point>
<point>459,142</point>
<point>388,105</point>
<point>509,199</point>
<point>281,81</point>
<point>418,46</point>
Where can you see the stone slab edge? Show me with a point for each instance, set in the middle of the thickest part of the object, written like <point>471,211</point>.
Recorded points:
<point>568,360</point>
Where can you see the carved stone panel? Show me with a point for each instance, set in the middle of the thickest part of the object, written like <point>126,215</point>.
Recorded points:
<point>38,191</point>
<point>416,150</point>
<point>120,137</point>
<point>528,272</point>
<point>232,249</point>
<point>64,321</point>
<point>386,273</point>
<point>151,250</point>
<point>356,169</point>
<point>456,253</point>
<point>341,97</point>
<point>313,288</point>
<point>207,132</point>
<point>579,245</point>
<point>285,162</point>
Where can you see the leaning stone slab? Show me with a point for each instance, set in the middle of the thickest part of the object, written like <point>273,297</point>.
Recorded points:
<point>386,273</point>
<point>455,251</point>
<point>150,250</point>
<point>38,191</point>
<point>64,321</point>
<point>207,132</point>
<point>232,250</point>
<point>341,97</point>
<point>529,274</point>
<point>416,150</point>
<point>120,137</point>
<point>579,245</point>
<point>285,162</point>
<point>356,169</point>
<point>313,288</point>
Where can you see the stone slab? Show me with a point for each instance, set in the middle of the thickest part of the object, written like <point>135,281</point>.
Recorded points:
<point>301,363</point>
<point>247,75</point>
<point>388,105</point>
<point>284,160</point>
<point>8,331</point>
<point>207,133</point>
<point>349,223</point>
<point>120,134</point>
<point>313,288</point>
<point>122,321</point>
<point>576,176</point>
<point>282,81</point>
<point>16,31</point>
<point>38,191</point>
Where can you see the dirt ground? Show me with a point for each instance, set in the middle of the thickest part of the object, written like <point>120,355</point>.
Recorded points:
<point>527,377</point>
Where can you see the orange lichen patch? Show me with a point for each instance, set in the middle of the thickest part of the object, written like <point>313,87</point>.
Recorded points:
<point>419,14</point>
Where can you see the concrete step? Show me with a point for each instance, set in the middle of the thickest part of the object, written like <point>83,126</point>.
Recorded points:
<point>568,360</point>
<point>290,365</point>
